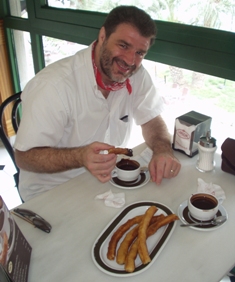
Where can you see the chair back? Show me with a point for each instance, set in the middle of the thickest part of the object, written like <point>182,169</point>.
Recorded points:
<point>15,120</point>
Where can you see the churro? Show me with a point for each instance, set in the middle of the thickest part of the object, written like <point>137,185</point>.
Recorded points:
<point>121,151</point>
<point>129,239</point>
<point>119,233</point>
<point>152,229</point>
<point>142,234</point>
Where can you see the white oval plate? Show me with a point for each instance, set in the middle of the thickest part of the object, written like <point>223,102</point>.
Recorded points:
<point>155,243</point>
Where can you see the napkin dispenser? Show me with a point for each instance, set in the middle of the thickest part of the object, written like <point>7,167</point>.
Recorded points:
<point>188,130</point>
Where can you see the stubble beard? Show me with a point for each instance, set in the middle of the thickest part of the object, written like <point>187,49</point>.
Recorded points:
<point>106,63</point>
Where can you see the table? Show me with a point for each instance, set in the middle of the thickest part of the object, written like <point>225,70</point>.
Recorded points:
<point>78,219</point>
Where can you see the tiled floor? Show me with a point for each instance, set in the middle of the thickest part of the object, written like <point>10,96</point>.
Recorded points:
<point>8,191</point>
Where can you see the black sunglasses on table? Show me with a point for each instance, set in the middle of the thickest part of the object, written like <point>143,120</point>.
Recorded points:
<point>33,218</point>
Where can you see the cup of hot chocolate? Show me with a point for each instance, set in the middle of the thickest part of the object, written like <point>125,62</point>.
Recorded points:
<point>127,170</point>
<point>203,206</point>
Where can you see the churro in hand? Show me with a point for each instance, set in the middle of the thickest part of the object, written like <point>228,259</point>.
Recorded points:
<point>121,151</point>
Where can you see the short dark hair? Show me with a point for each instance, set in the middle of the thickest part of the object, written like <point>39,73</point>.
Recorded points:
<point>134,16</point>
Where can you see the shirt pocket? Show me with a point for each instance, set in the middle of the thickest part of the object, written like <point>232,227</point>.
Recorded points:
<point>120,132</point>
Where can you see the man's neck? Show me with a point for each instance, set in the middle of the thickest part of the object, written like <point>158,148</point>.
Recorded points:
<point>104,92</point>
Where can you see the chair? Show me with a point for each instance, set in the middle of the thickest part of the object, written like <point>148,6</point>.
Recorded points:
<point>15,119</point>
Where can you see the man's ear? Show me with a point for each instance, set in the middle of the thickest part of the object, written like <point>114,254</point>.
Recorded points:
<point>102,35</point>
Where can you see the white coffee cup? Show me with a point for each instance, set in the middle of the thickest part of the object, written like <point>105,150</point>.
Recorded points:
<point>203,206</point>
<point>127,170</point>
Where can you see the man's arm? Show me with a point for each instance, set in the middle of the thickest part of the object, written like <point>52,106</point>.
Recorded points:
<point>163,163</point>
<point>52,160</point>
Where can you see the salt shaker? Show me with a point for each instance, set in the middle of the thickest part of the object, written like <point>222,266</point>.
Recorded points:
<point>206,149</point>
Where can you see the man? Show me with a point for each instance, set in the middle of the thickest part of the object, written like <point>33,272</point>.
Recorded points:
<point>79,106</point>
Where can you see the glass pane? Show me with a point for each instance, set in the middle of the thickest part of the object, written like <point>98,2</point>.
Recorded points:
<point>18,8</point>
<point>184,91</point>
<point>218,14</point>
<point>90,5</point>
<point>56,49</point>
<point>24,56</point>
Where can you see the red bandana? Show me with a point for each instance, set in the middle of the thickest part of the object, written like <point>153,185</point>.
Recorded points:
<point>115,85</point>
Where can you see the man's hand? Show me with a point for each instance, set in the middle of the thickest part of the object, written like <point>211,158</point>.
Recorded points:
<point>163,165</point>
<point>99,165</point>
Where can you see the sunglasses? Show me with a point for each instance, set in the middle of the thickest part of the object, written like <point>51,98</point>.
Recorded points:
<point>33,218</point>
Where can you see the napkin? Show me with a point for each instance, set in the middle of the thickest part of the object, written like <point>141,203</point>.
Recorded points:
<point>114,200</point>
<point>211,188</point>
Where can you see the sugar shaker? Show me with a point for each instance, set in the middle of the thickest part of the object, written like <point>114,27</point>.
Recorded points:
<point>206,149</point>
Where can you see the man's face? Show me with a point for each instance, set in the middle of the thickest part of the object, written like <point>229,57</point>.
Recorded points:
<point>122,53</point>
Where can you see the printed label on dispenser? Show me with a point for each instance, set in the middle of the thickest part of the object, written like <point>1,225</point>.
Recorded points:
<point>183,136</point>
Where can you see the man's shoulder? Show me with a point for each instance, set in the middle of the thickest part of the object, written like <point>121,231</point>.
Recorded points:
<point>142,72</point>
<point>64,68</point>
<point>70,62</point>
<point>140,76</point>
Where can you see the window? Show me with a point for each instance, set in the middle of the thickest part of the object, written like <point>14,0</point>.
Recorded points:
<point>56,49</point>
<point>192,60</point>
<point>18,8</point>
<point>23,52</point>
<point>218,14</point>
<point>183,91</point>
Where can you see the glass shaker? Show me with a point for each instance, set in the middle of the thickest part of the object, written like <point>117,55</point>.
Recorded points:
<point>206,150</point>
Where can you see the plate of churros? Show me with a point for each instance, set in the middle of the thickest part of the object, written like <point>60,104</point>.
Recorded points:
<point>133,240</point>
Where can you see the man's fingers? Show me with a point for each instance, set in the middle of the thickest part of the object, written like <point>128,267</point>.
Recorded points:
<point>163,166</point>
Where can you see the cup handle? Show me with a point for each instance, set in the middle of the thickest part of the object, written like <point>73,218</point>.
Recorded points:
<point>144,169</point>
<point>220,201</point>
<point>114,173</point>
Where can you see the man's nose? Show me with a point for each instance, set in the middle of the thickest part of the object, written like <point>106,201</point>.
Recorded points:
<point>130,58</point>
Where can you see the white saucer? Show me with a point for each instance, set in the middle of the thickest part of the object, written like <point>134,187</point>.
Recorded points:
<point>142,180</point>
<point>185,217</point>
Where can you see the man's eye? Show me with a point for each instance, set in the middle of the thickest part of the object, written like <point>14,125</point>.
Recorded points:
<point>141,54</point>
<point>123,46</point>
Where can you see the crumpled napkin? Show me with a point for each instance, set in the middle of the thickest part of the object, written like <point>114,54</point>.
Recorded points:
<point>114,200</point>
<point>211,188</point>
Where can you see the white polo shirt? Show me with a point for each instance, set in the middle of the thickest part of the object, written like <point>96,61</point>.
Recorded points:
<point>62,107</point>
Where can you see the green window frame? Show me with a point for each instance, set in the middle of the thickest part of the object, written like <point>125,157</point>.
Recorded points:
<point>199,49</point>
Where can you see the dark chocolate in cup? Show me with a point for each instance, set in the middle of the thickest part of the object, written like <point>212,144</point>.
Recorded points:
<point>204,201</point>
<point>127,164</point>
